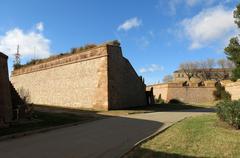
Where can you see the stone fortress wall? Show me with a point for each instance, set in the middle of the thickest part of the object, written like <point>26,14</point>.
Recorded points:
<point>125,87</point>
<point>234,89</point>
<point>193,93</point>
<point>99,78</point>
<point>5,94</point>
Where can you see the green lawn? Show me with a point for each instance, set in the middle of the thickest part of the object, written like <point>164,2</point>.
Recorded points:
<point>45,120</point>
<point>202,136</point>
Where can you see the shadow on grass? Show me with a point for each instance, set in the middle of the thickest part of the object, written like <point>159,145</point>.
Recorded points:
<point>167,107</point>
<point>147,153</point>
<point>44,117</point>
<point>49,116</point>
<point>104,138</point>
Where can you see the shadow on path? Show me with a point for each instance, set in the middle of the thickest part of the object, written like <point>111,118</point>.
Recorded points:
<point>102,138</point>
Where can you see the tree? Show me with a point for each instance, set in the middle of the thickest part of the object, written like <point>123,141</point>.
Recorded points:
<point>198,69</point>
<point>226,66</point>
<point>189,69</point>
<point>233,49</point>
<point>205,68</point>
<point>167,78</point>
<point>236,15</point>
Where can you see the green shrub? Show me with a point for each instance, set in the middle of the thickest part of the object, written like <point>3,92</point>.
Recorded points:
<point>220,93</point>
<point>17,66</point>
<point>159,100</point>
<point>229,111</point>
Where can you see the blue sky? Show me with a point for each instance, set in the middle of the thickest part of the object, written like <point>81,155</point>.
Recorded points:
<point>156,36</point>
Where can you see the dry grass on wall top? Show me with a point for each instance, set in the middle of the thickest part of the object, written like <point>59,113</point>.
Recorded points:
<point>73,51</point>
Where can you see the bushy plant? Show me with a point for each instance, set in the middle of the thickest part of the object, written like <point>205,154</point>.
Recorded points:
<point>159,100</point>
<point>220,93</point>
<point>17,66</point>
<point>229,111</point>
<point>236,74</point>
<point>80,49</point>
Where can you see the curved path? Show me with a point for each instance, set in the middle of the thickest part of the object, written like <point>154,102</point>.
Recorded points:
<point>107,138</point>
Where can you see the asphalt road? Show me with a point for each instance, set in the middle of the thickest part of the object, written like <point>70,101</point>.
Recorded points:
<point>107,138</point>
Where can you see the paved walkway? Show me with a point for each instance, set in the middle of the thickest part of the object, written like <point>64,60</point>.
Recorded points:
<point>107,138</point>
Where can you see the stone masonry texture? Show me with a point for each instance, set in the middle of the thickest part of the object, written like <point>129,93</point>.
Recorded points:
<point>5,95</point>
<point>125,87</point>
<point>234,89</point>
<point>99,78</point>
<point>187,94</point>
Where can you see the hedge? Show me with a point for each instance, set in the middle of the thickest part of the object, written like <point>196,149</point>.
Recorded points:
<point>229,111</point>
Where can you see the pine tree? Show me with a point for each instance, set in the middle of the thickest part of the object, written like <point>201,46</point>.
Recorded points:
<point>233,49</point>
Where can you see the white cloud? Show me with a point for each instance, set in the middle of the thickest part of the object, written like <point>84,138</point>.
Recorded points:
<point>129,24</point>
<point>143,42</point>
<point>40,26</point>
<point>31,43</point>
<point>210,25</point>
<point>192,3</point>
<point>174,5</point>
<point>151,68</point>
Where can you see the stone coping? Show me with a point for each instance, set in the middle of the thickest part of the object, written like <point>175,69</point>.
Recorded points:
<point>3,55</point>
<point>237,83</point>
<point>180,85</point>
<point>89,54</point>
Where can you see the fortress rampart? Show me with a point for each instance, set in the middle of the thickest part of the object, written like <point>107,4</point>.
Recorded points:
<point>193,93</point>
<point>5,95</point>
<point>234,89</point>
<point>98,78</point>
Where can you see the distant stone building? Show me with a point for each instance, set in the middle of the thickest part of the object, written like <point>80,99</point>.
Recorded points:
<point>97,78</point>
<point>213,74</point>
<point>5,94</point>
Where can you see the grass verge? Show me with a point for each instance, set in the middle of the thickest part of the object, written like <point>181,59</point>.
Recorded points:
<point>202,136</point>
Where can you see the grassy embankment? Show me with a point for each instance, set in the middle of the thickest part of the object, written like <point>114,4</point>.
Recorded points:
<point>202,136</point>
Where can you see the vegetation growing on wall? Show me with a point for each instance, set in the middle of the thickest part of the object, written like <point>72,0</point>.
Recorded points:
<point>73,51</point>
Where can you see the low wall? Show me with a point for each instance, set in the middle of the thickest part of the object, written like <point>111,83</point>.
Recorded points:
<point>159,90</point>
<point>234,89</point>
<point>187,94</point>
